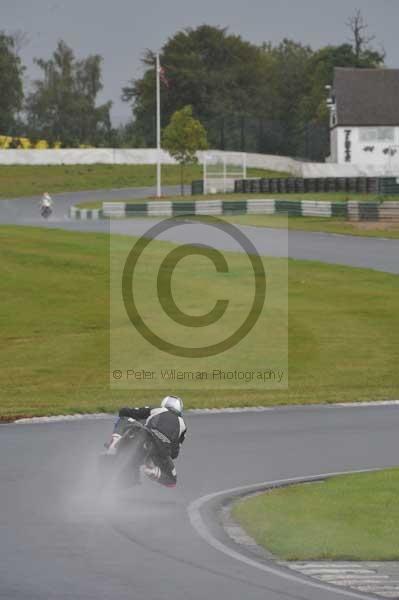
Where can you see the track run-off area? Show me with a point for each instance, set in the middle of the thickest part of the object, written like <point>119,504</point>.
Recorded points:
<point>61,538</point>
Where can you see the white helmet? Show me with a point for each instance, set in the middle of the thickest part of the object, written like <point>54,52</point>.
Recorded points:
<point>174,404</point>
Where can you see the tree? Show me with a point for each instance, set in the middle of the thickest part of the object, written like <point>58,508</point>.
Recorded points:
<point>266,99</point>
<point>11,73</point>
<point>21,39</point>
<point>286,67</point>
<point>183,137</point>
<point>62,105</point>
<point>361,41</point>
<point>216,73</point>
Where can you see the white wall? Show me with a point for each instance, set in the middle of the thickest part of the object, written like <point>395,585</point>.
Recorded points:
<point>333,146</point>
<point>344,170</point>
<point>373,160</point>
<point>258,161</point>
<point>262,161</point>
<point>138,156</point>
<point>80,156</point>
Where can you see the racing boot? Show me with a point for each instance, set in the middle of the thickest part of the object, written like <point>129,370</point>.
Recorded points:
<point>112,446</point>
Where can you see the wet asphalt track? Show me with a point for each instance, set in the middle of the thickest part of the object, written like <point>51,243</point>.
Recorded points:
<point>60,539</point>
<point>374,253</point>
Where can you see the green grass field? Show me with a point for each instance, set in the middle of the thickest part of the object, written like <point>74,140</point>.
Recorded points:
<point>54,329</point>
<point>17,181</point>
<point>351,517</point>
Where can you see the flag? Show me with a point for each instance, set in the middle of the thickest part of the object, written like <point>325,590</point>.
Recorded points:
<point>162,76</point>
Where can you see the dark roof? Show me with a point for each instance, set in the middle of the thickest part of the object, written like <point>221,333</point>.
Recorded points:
<point>366,96</point>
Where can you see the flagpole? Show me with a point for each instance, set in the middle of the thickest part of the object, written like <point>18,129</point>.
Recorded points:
<point>158,127</point>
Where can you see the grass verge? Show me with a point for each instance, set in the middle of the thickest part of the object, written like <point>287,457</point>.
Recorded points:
<point>351,517</point>
<point>54,332</point>
<point>321,224</point>
<point>17,181</point>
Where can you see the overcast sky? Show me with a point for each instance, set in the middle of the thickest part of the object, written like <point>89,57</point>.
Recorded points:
<point>120,30</point>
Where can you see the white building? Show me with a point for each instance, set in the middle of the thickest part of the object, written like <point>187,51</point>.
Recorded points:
<point>364,118</point>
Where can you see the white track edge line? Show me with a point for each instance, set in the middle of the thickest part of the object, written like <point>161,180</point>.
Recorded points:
<point>194,514</point>
<point>205,411</point>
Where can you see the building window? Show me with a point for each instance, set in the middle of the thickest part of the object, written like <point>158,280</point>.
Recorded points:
<point>377,134</point>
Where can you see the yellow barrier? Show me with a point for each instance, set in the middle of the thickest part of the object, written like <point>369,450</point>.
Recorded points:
<point>6,140</point>
<point>26,144</point>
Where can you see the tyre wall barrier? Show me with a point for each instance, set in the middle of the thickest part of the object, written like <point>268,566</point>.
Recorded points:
<point>85,214</point>
<point>166,208</point>
<point>351,210</point>
<point>295,185</point>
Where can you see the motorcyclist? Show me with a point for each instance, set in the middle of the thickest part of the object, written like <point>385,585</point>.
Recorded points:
<point>167,425</point>
<point>46,204</point>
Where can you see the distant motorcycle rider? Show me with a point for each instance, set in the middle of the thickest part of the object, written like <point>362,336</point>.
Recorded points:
<point>168,429</point>
<point>46,205</point>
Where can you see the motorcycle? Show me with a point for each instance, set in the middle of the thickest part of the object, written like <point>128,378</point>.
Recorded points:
<point>46,211</point>
<point>138,447</point>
